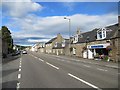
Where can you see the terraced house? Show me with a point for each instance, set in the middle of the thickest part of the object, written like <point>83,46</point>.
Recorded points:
<point>100,43</point>
<point>57,45</point>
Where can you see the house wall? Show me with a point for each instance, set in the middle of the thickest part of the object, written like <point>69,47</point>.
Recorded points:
<point>115,55</point>
<point>41,50</point>
<point>58,51</point>
<point>79,49</point>
<point>49,46</point>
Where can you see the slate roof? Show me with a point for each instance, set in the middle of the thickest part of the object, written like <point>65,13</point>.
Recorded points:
<point>90,34</point>
<point>50,41</point>
<point>114,29</point>
<point>93,34</point>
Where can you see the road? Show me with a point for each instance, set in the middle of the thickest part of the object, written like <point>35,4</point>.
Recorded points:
<point>35,70</point>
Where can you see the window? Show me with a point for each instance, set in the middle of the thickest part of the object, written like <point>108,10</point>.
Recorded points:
<point>55,44</point>
<point>101,34</point>
<point>75,39</point>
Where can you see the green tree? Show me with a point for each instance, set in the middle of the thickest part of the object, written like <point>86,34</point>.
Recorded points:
<point>6,35</point>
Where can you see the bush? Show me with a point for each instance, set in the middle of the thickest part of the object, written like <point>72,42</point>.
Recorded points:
<point>105,58</point>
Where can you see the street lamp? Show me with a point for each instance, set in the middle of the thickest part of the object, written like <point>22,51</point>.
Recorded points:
<point>87,41</point>
<point>69,29</point>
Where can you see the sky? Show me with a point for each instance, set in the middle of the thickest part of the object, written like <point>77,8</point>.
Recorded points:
<point>31,22</point>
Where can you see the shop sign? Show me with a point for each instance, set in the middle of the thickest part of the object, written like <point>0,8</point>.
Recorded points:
<point>98,46</point>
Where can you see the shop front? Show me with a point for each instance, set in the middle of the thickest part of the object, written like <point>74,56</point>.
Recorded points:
<point>97,51</point>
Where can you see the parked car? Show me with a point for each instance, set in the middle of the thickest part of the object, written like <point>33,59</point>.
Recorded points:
<point>24,52</point>
<point>16,53</point>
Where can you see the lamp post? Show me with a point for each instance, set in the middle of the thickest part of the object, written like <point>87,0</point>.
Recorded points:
<point>69,29</point>
<point>87,41</point>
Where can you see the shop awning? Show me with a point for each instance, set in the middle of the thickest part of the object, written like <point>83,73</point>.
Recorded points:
<point>98,46</point>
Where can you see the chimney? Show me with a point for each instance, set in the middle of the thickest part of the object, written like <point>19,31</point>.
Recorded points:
<point>78,31</point>
<point>58,35</point>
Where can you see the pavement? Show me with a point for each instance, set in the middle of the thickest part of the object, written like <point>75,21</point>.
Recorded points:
<point>92,61</point>
<point>37,70</point>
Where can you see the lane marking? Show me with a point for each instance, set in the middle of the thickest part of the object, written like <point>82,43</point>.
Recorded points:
<point>84,81</point>
<point>19,76</point>
<point>41,60</point>
<point>18,85</point>
<point>35,57</point>
<point>20,63</point>
<point>101,69</point>
<point>86,66</point>
<point>20,66</point>
<point>52,65</point>
<point>19,69</point>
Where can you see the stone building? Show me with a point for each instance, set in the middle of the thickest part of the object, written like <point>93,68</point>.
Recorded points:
<point>50,44</point>
<point>59,48</point>
<point>41,47</point>
<point>98,43</point>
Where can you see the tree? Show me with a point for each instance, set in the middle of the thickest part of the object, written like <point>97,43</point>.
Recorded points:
<point>6,36</point>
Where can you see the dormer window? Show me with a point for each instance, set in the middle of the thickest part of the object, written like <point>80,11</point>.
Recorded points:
<point>81,36</point>
<point>55,44</point>
<point>63,43</point>
<point>75,40</point>
<point>101,33</point>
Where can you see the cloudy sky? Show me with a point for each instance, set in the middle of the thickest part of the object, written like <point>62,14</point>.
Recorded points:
<point>32,22</point>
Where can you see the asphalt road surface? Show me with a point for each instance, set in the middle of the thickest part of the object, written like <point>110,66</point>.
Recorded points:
<point>35,70</point>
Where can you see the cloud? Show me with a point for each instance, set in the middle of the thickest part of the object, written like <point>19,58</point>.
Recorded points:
<point>20,8</point>
<point>44,28</point>
<point>39,40</point>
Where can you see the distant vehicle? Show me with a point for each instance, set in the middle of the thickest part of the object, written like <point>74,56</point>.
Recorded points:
<point>24,52</point>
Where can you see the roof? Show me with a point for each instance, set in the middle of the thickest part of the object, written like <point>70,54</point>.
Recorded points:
<point>90,34</point>
<point>50,41</point>
<point>113,29</point>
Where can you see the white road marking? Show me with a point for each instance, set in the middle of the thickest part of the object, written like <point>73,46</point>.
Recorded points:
<point>86,66</point>
<point>20,63</point>
<point>52,65</point>
<point>101,69</point>
<point>35,57</point>
<point>41,60</point>
<point>18,85</point>
<point>20,66</point>
<point>84,81</point>
<point>19,76</point>
<point>19,69</point>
